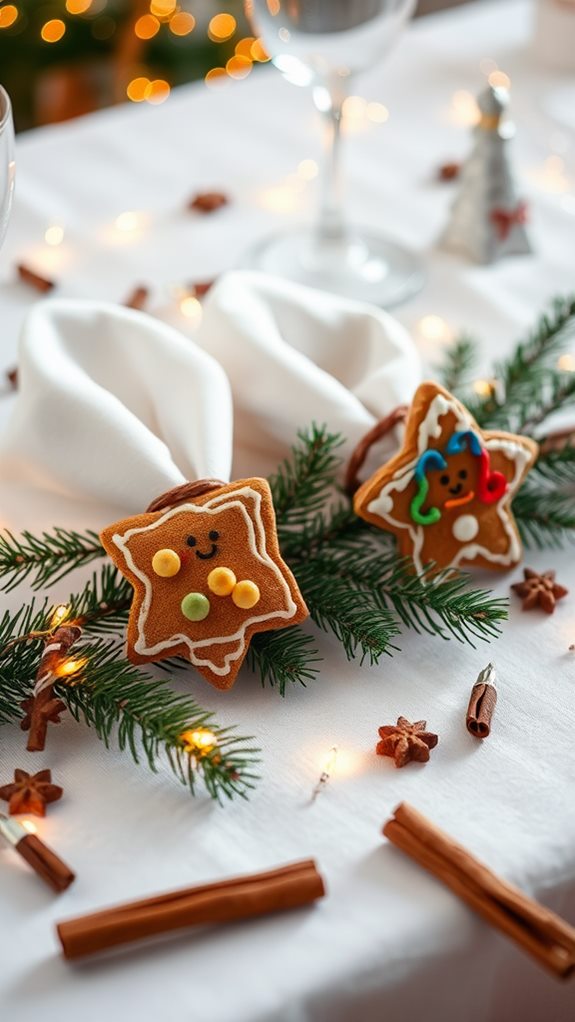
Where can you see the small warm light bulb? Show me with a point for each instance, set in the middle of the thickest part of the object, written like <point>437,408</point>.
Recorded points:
<point>239,67</point>
<point>327,770</point>
<point>434,328</point>
<point>54,235</point>
<point>146,27</point>
<point>199,741</point>
<point>566,363</point>
<point>128,221</point>
<point>78,6</point>
<point>8,15</point>
<point>69,668</point>
<point>308,169</point>
<point>182,23</point>
<point>191,308</point>
<point>59,615</point>
<point>483,388</point>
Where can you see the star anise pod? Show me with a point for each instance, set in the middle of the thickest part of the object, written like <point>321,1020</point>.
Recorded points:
<point>30,793</point>
<point>539,590</point>
<point>406,741</point>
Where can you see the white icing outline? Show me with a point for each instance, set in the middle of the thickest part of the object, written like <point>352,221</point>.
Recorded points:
<point>429,427</point>
<point>257,544</point>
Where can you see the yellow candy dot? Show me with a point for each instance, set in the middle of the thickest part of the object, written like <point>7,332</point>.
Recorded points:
<point>246,594</point>
<point>221,581</point>
<point>166,563</point>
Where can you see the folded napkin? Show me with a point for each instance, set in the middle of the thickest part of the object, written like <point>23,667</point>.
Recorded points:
<point>295,355</point>
<point>115,406</point>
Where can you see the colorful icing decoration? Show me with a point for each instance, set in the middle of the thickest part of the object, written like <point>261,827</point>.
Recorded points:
<point>166,563</point>
<point>195,606</point>
<point>246,594</point>
<point>491,486</point>
<point>221,581</point>
<point>447,494</point>
<point>201,611</point>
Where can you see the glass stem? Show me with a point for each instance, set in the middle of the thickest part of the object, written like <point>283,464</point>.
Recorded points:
<point>330,227</point>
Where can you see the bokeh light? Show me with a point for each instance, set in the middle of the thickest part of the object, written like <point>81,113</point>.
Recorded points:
<point>182,23</point>
<point>147,26</point>
<point>221,27</point>
<point>8,15</point>
<point>53,30</point>
<point>137,89</point>
<point>78,6</point>
<point>157,92</point>
<point>54,235</point>
<point>258,52</point>
<point>239,67</point>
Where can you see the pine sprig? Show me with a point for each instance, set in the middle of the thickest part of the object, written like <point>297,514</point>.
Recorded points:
<point>544,517</point>
<point>283,658</point>
<point>439,603</point>
<point>124,705</point>
<point>143,715</point>
<point>521,377</point>
<point>555,466</point>
<point>45,558</point>
<point>300,484</point>
<point>459,362</point>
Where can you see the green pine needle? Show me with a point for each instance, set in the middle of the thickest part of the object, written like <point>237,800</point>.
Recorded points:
<point>544,517</point>
<point>282,658</point>
<point>300,484</point>
<point>555,466</point>
<point>458,364</point>
<point>45,558</point>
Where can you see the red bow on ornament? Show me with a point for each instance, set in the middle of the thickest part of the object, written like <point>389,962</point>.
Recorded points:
<point>504,219</point>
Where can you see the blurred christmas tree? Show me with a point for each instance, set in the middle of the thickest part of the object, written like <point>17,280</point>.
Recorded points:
<point>61,58</point>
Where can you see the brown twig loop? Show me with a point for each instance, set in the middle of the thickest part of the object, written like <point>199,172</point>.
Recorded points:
<point>187,491</point>
<point>362,449</point>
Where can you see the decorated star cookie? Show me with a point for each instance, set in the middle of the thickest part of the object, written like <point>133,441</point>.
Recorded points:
<point>447,494</point>
<point>207,574</point>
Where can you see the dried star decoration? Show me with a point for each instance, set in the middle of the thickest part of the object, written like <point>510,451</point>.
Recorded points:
<point>406,742</point>
<point>30,793</point>
<point>539,590</point>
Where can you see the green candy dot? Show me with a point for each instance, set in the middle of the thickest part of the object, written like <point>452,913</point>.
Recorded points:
<point>195,606</point>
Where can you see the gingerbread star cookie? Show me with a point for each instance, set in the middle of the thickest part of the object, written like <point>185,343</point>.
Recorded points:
<point>447,494</point>
<point>207,574</point>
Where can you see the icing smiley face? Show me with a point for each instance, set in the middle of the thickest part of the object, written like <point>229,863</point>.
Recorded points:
<point>231,583</point>
<point>447,494</point>
<point>449,479</point>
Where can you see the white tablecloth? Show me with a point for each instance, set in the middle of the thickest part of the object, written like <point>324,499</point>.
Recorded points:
<point>388,941</point>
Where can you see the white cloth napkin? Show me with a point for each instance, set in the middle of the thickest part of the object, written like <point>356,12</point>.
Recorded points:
<point>295,356</point>
<point>116,407</point>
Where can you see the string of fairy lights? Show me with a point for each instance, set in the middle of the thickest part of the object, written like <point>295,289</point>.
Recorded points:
<point>147,23</point>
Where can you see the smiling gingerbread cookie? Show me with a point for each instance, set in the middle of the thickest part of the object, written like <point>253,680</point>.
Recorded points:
<point>207,574</point>
<point>447,494</point>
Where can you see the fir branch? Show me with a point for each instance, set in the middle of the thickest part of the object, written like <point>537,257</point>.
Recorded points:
<point>363,626</point>
<point>544,517</point>
<point>520,377</point>
<point>437,602</point>
<point>554,390</point>
<point>143,714</point>
<point>556,466</point>
<point>45,558</point>
<point>301,483</point>
<point>458,363</point>
<point>123,704</point>
<point>282,658</point>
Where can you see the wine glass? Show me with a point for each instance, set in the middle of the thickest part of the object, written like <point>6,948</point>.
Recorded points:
<point>7,165</point>
<point>322,44</point>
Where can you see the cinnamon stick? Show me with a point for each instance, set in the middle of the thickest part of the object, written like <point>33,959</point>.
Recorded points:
<point>223,902</point>
<point>544,935</point>
<point>33,279</point>
<point>43,707</point>
<point>52,870</point>
<point>137,298</point>
<point>482,703</point>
